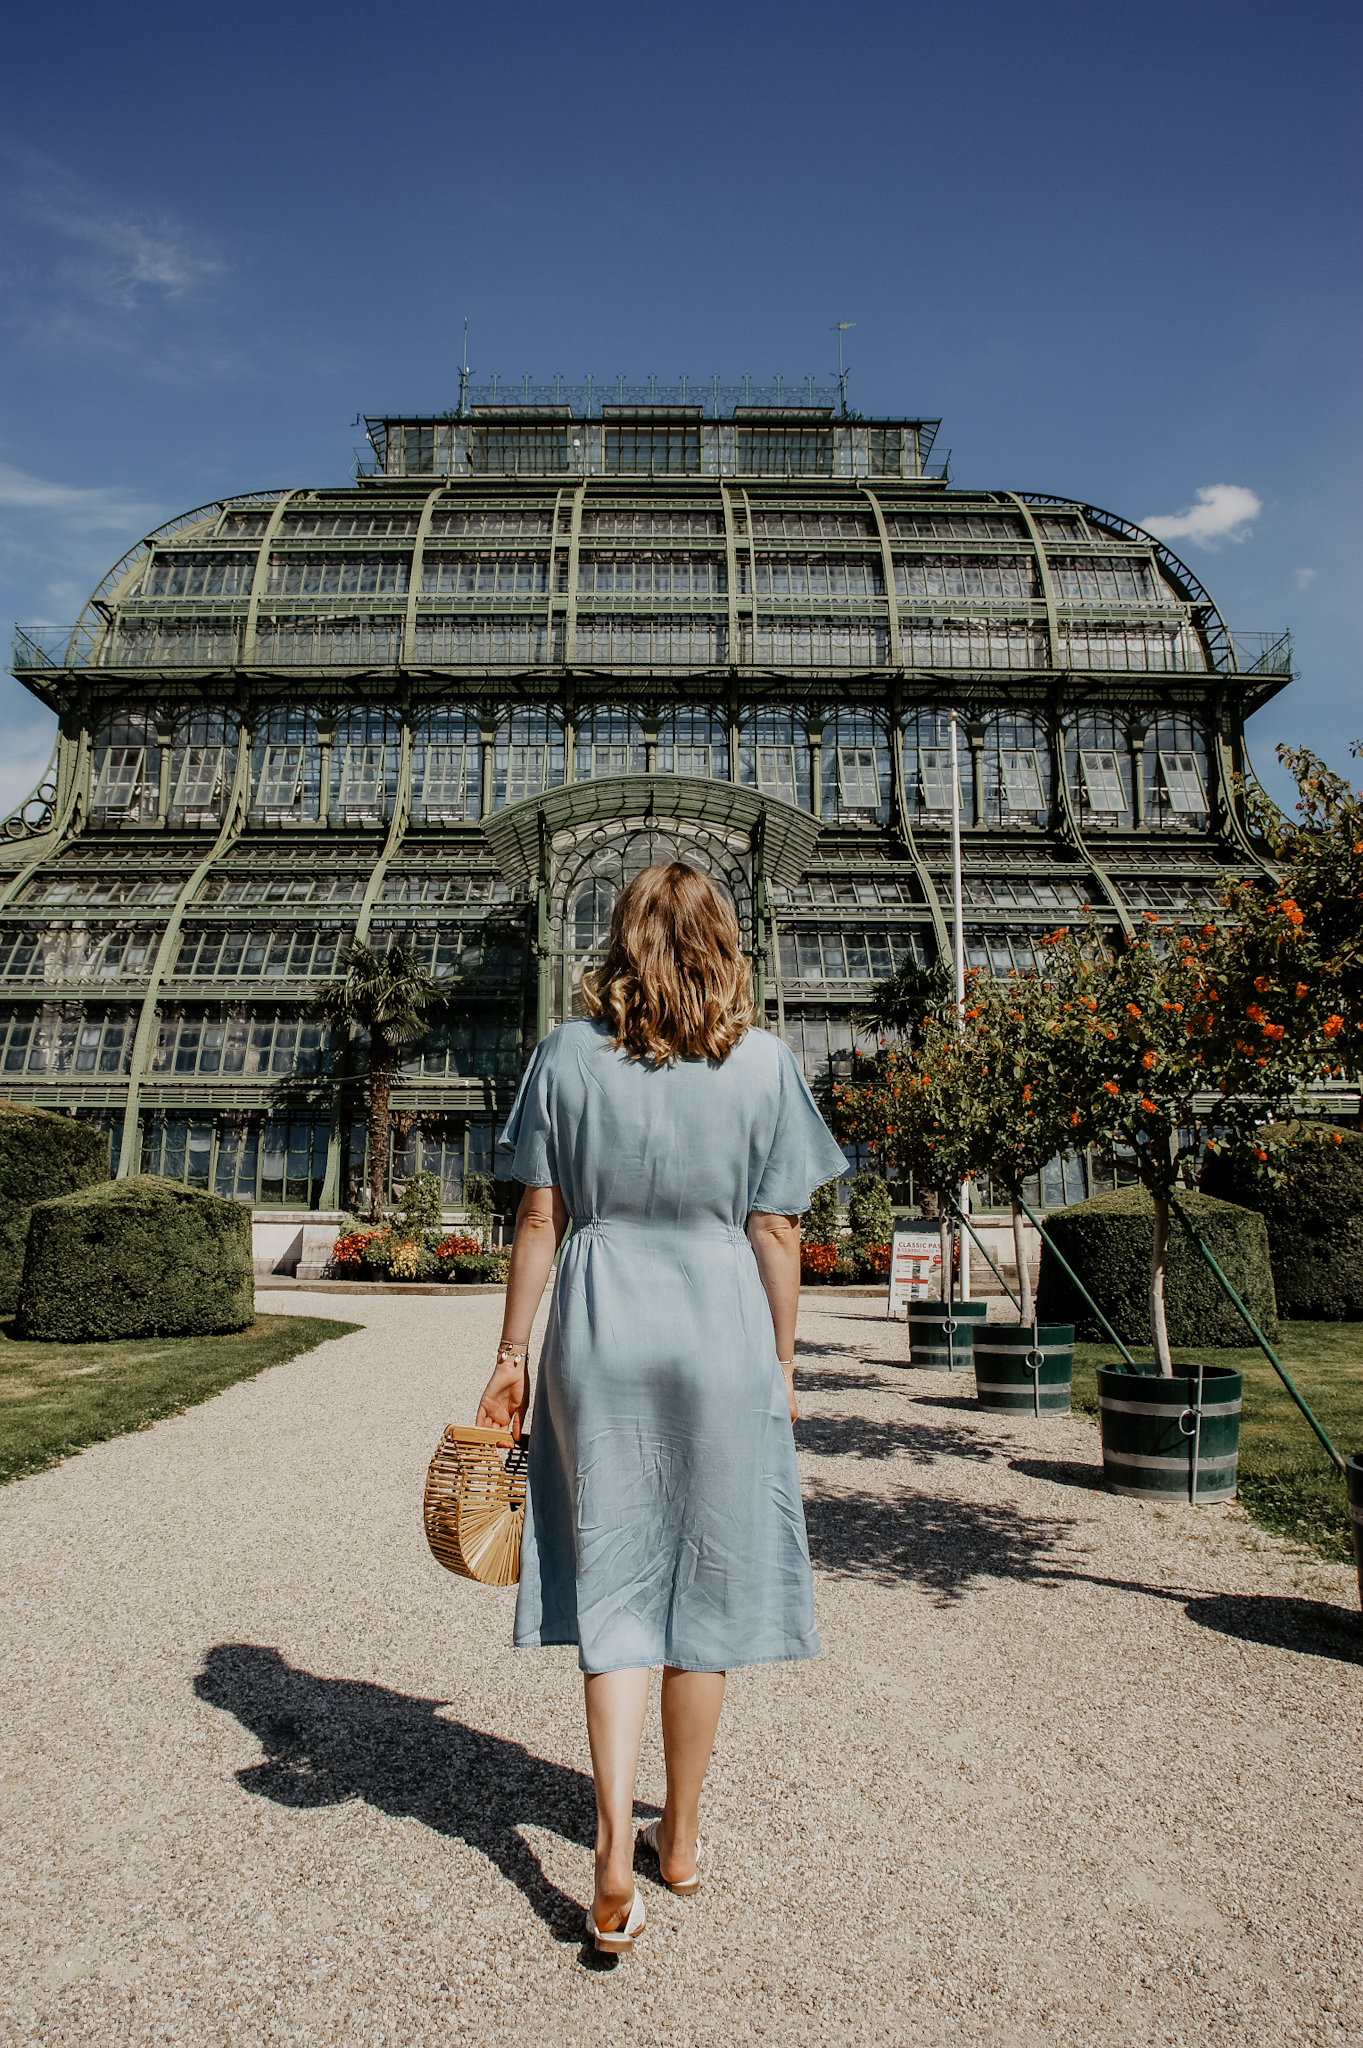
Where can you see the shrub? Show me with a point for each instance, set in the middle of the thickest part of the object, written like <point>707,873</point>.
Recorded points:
<point>141,1257</point>
<point>41,1157</point>
<point>821,1222</point>
<point>422,1199</point>
<point>1108,1240</point>
<point>1315,1223</point>
<point>870,1211</point>
<point>876,1259</point>
<point>486,1268</point>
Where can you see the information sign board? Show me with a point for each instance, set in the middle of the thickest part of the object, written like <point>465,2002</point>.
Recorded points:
<point>915,1267</point>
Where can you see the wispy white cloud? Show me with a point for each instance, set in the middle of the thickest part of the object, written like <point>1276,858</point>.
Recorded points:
<point>83,508</point>
<point>85,246</point>
<point>1222,512</point>
<point>1305,578</point>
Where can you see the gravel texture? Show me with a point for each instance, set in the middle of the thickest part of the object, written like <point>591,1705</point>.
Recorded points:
<point>1070,1770</point>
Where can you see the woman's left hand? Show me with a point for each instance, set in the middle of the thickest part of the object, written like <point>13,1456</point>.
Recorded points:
<point>788,1375</point>
<point>505,1398</point>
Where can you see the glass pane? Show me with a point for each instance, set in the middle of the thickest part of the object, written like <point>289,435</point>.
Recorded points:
<point>1022,780</point>
<point>1103,781</point>
<point>1182,782</point>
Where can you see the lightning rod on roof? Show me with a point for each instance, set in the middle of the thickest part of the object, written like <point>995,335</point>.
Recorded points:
<point>840,328</point>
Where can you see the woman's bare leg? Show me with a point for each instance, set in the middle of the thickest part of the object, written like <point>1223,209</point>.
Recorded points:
<point>615,1724</point>
<point>691,1704</point>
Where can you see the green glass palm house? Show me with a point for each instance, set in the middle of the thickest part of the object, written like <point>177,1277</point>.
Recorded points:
<point>535,644</point>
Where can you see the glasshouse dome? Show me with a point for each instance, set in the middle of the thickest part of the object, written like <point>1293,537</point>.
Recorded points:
<point>534,645</point>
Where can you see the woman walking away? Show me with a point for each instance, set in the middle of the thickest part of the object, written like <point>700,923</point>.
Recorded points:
<point>663,1519</point>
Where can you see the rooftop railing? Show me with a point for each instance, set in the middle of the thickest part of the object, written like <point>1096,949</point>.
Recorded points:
<point>346,639</point>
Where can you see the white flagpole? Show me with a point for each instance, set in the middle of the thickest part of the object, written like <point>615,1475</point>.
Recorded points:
<point>958,935</point>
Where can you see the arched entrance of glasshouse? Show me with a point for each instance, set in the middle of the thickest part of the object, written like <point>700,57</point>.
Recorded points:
<point>581,844</point>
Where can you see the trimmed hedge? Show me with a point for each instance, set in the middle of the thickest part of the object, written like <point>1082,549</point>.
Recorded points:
<point>141,1257</point>
<point>41,1156</point>
<point>1315,1225</point>
<point>1108,1242</point>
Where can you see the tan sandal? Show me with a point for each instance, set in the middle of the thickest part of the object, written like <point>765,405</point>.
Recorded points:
<point>620,1940</point>
<point>689,1886</point>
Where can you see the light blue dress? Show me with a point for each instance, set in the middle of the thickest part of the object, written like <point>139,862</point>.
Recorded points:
<point>663,1519</point>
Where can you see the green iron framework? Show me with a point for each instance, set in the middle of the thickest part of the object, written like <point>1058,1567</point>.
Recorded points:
<point>533,645</point>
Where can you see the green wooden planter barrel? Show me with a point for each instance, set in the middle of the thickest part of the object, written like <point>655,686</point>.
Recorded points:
<point>1152,1442</point>
<point>933,1347</point>
<point>1023,1376</point>
<point>1353,1480</point>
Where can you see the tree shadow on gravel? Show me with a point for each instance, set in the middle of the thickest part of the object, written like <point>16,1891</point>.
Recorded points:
<point>943,1546</point>
<point>857,1436</point>
<point>327,1740</point>
<point>812,1381</point>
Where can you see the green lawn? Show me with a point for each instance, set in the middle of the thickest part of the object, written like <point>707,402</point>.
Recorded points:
<point>57,1398</point>
<point>1287,1483</point>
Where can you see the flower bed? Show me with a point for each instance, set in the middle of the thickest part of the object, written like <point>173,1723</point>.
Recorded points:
<point>844,1264</point>
<point>386,1253</point>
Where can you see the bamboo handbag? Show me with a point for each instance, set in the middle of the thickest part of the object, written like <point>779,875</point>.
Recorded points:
<point>475,1504</point>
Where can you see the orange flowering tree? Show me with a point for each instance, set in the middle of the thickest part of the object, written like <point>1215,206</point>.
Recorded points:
<point>1023,1112</point>
<point>915,1110</point>
<point>1161,1049</point>
<point>1304,939</point>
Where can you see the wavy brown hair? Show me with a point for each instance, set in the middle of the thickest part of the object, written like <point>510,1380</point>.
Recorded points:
<point>674,983</point>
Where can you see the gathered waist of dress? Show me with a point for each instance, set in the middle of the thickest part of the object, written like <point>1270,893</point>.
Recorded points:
<point>692,1228</point>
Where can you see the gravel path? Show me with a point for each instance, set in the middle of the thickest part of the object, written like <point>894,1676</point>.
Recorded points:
<point>1069,1770</point>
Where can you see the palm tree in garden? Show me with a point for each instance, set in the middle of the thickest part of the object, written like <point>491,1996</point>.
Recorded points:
<point>904,1005</point>
<point>389,996</point>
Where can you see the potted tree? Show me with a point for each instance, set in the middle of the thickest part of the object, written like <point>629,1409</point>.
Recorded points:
<point>914,1109</point>
<point>1024,1118</point>
<point>1159,1053</point>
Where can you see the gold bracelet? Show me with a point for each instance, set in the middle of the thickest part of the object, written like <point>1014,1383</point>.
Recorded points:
<point>516,1351</point>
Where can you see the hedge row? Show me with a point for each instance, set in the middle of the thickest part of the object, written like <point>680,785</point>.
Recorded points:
<point>41,1156</point>
<point>1108,1242</point>
<point>1314,1224</point>
<point>142,1257</point>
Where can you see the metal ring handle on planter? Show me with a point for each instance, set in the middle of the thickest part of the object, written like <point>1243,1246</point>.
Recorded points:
<point>950,1325</point>
<point>1032,1361</point>
<point>1196,1414</point>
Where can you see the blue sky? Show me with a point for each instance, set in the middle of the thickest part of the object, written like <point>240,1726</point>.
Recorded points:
<point>1116,250</point>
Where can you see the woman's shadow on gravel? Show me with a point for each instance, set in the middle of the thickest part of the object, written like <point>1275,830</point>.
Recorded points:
<point>327,1740</point>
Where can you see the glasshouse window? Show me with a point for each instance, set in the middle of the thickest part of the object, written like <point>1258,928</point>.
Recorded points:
<point>608,743</point>
<point>694,742</point>
<point>527,757</point>
<point>774,756</point>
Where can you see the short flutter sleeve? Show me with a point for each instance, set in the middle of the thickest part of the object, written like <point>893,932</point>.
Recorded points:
<point>803,1153</point>
<point>529,1131</point>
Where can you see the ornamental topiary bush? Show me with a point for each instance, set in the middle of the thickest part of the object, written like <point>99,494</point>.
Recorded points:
<point>870,1210</point>
<point>820,1223</point>
<point>141,1257</point>
<point>41,1156</point>
<point>1314,1223</point>
<point>1107,1241</point>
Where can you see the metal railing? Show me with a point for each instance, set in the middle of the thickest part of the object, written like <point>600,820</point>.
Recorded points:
<point>1263,654</point>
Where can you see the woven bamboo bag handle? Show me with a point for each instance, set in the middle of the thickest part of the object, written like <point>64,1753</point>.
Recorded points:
<point>475,1504</point>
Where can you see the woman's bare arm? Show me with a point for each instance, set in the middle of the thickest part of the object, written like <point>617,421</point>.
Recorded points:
<point>540,1223</point>
<point>776,1247</point>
